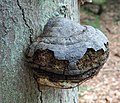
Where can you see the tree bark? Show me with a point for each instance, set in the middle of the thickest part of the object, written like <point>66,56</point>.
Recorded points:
<point>21,21</point>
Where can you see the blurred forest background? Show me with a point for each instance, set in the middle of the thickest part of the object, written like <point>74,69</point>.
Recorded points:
<point>105,87</point>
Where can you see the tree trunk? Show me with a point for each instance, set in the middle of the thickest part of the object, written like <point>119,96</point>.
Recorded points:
<point>20,22</point>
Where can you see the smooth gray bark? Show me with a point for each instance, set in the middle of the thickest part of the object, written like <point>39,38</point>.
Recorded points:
<point>20,22</point>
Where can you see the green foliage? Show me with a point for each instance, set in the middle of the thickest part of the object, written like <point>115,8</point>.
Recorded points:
<point>93,22</point>
<point>117,17</point>
<point>92,19</point>
<point>99,2</point>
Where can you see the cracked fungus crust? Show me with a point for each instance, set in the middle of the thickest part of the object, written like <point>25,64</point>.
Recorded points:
<point>51,71</point>
<point>67,53</point>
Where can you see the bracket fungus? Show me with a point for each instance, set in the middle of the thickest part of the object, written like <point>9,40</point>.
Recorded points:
<point>67,53</point>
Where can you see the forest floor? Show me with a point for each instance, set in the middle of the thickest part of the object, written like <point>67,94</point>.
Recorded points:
<point>105,87</point>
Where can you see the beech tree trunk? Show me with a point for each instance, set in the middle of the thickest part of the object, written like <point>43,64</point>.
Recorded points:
<point>21,21</point>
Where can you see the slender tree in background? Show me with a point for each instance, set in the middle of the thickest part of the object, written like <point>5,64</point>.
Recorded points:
<point>21,21</point>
